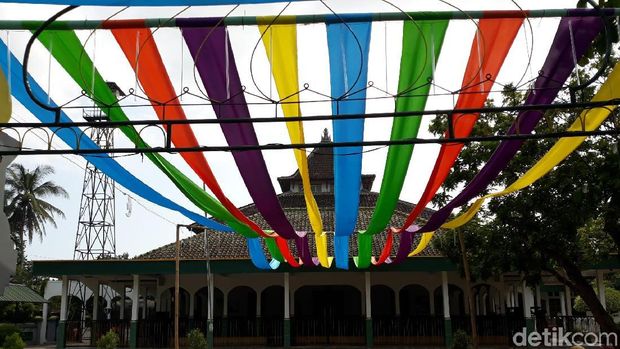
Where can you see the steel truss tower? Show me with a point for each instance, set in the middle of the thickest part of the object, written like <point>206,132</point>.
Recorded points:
<point>96,235</point>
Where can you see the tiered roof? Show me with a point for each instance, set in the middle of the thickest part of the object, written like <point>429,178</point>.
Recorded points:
<point>320,162</point>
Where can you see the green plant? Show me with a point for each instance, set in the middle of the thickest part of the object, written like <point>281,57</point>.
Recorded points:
<point>108,341</point>
<point>7,330</point>
<point>460,340</point>
<point>196,339</point>
<point>14,341</point>
<point>612,301</point>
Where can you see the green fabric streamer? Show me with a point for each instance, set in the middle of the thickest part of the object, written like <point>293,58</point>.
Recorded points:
<point>422,43</point>
<point>66,47</point>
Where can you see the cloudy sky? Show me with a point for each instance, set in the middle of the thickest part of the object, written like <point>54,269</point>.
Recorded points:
<point>140,225</point>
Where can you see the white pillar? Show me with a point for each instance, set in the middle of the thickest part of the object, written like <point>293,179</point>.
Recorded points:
<point>538,299</point>
<point>287,295</point>
<point>569,301</point>
<point>96,301</point>
<point>211,297</point>
<point>123,295</point>
<point>601,288</point>
<point>145,302</point>
<point>367,295</point>
<point>258,300</point>
<point>528,300</point>
<point>225,313</point>
<point>563,303</point>
<point>135,298</point>
<point>397,301</point>
<point>547,311</point>
<point>63,298</point>
<point>43,332</point>
<point>191,304</point>
<point>445,294</point>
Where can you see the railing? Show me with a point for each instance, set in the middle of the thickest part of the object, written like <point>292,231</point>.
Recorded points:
<point>77,333</point>
<point>570,323</point>
<point>491,329</point>
<point>338,331</point>
<point>409,331</point>
<point>160,332</point>
<point>248,332</point>
<point>101,327</point>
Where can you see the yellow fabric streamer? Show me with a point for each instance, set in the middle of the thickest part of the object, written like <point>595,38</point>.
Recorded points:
<point>5,99</point>
<point>589,120</point>
<point>281,45</point>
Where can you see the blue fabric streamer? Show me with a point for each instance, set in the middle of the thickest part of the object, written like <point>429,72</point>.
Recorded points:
<point>102,161</point>
<point>348,46</point>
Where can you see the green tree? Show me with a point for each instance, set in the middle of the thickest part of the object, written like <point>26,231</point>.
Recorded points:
<point>26,206</point>
<point>562,224</point>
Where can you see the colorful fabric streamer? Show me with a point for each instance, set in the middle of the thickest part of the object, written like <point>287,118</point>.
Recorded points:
<point>488,52</point>
<point>141,51</point>
<point>69,52</point>
<point>422,42</point>
<point>348,46</point>
<point>589,120</point>
<point>571,41</point>
<point>6,105</point>
<point>280,43</point>
<point>489,49</point>
<point>69,135</point>
<point>215,61</point>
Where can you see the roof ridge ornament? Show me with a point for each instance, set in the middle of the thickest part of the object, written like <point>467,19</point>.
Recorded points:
<point>326,138</point>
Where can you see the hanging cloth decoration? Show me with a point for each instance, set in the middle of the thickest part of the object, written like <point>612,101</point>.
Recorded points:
<point>589,120</point>
<point>567,45</point>
<point>214,59</point>
<point>5,99</point>
<point>489,49</point>
<point>422,43</point>
<point>280,41</point>
<point>69,53</point>
<point>147,63</point>
<point>348,46</point>
<point>68,135</point>
<point>488,52</point>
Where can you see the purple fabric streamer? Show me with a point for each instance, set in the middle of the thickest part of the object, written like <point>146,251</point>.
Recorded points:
<point>556,70</point>
<point>209,46</point>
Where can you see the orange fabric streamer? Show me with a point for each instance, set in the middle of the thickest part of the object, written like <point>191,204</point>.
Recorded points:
<point>142,53</point>
<point>488,52</point>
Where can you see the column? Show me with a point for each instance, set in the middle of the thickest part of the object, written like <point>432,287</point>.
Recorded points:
<point>145,302</point>
<point>43,331</point>
<point>210,297</point>
<point>123,296</point>
<point>397,301</point>
<point>287,310</point>
<point>528,303</point>
<point>569,301</point>
<point>62,322</point>
<point>445,295</point>
<point>135,307</point>
<point>367,296</point>
<point>96,301</point>
<point>563,303</point>
<point>600,282</point>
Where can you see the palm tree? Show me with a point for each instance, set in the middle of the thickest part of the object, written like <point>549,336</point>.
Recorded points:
<point>25,205</point>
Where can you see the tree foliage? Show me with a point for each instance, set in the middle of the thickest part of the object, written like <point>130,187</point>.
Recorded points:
<point>26,204</point>
<point>563,223</point>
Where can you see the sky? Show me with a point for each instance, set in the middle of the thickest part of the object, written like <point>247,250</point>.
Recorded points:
<point>142,226</point>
